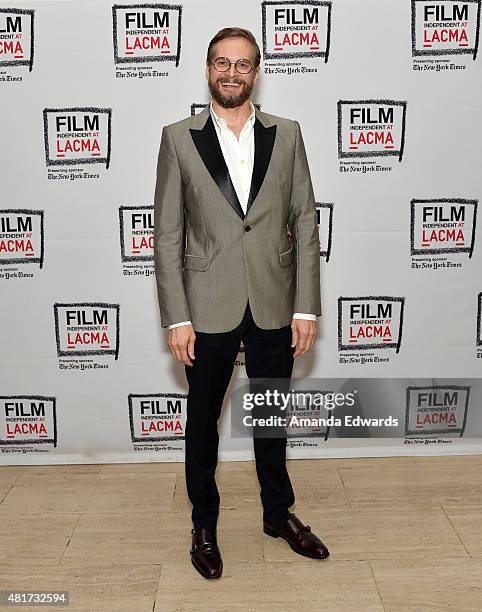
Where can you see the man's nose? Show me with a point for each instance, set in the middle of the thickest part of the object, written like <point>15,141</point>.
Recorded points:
<point>232,70</point>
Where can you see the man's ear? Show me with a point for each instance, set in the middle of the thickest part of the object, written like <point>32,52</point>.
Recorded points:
<point>206,72</point>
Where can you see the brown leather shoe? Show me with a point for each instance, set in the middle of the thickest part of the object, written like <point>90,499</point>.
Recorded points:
<point>205,555</point>
<point>300,537</point>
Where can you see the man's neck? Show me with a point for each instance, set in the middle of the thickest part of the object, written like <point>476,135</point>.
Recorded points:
<point>235,117</point>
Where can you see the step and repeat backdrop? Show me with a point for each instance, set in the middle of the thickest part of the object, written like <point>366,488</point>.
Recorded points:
<point>388,94</point>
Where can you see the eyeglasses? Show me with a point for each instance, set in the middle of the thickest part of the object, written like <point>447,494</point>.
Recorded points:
<point>222,64</point>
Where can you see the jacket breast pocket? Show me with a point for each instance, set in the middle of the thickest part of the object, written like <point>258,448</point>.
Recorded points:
<point>287,257</point>
<point>196,262</point>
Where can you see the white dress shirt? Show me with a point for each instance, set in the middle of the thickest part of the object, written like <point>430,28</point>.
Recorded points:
<point>239,158</point>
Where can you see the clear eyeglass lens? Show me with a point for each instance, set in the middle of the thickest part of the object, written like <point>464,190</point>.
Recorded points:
<point>243,66</point>
<point>223,64</point>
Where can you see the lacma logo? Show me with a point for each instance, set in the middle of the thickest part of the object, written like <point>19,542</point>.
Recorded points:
<point>296,29</point>
<point>448,27</point>
<point>146,33</point>
<point>157,417</point>
<point>87,328</point>
<point>442,225</point>
<point>436,410</point>
<point>21,236</point>
<point>78,135</point>
<point>16,38</point>
<point>136,233</point>
<point>369,128</point>
<point>370,322</point>
<point>28,419</point>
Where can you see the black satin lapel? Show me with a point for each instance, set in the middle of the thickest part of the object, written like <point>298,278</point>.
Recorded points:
<point>263,147</point>
<point>207,144</point>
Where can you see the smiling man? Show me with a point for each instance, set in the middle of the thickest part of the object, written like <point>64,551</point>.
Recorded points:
<point>231,182</point>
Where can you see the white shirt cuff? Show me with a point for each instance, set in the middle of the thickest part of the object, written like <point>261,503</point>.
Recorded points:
<point>181,323</point>
<point>303,315</point>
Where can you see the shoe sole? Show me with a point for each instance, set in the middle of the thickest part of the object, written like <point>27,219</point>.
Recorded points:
<point>274,534</point>
<point>207,576</point>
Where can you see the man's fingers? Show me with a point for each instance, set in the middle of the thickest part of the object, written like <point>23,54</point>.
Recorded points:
<point>176,350</point>
<point>311,339</point>
<point>190,346</point>
<point>301,345</point>
<point>294,335</point>
<point>305,333</point>
<point>179,341</point>
<point>184,356</point>
<point>187,350</point>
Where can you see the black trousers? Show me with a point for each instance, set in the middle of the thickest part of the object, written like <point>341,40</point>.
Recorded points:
<point>268,353</point>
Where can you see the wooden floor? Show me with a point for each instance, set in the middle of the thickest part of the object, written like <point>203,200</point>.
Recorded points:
<point>405,534</point>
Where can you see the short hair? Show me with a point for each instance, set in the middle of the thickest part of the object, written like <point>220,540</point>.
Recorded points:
<point>232,33</point>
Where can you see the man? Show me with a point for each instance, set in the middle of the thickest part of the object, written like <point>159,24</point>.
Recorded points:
<point>230,181</point>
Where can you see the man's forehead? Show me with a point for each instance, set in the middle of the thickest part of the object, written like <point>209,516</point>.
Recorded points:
<point>233,43</point>
<point>233,58</point>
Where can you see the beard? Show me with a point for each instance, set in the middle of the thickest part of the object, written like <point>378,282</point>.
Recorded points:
<point>235,98</point>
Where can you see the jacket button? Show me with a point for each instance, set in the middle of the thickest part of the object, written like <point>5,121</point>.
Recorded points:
<point>247,228</point>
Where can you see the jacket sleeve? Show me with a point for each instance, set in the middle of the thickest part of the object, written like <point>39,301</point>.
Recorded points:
<point>303,223</point>
<point>169,235</point>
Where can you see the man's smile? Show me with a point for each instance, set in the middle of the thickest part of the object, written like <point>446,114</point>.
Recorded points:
<point>229,84</point>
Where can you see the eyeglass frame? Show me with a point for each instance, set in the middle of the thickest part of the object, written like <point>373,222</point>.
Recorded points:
<point>241,59</point>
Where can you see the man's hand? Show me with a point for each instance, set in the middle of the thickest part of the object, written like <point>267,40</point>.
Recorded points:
<point>303,335</point>
<point>181,343</point>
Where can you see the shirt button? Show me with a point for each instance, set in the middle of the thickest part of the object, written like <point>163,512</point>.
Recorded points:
<point>242,161</point>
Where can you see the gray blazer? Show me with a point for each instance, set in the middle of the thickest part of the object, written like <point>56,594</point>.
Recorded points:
<point>209,256</point>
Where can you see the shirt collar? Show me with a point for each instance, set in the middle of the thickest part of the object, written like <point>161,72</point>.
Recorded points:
<point>222,122</point>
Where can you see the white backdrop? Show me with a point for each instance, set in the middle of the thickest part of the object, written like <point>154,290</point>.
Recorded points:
<point>389,98</point>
